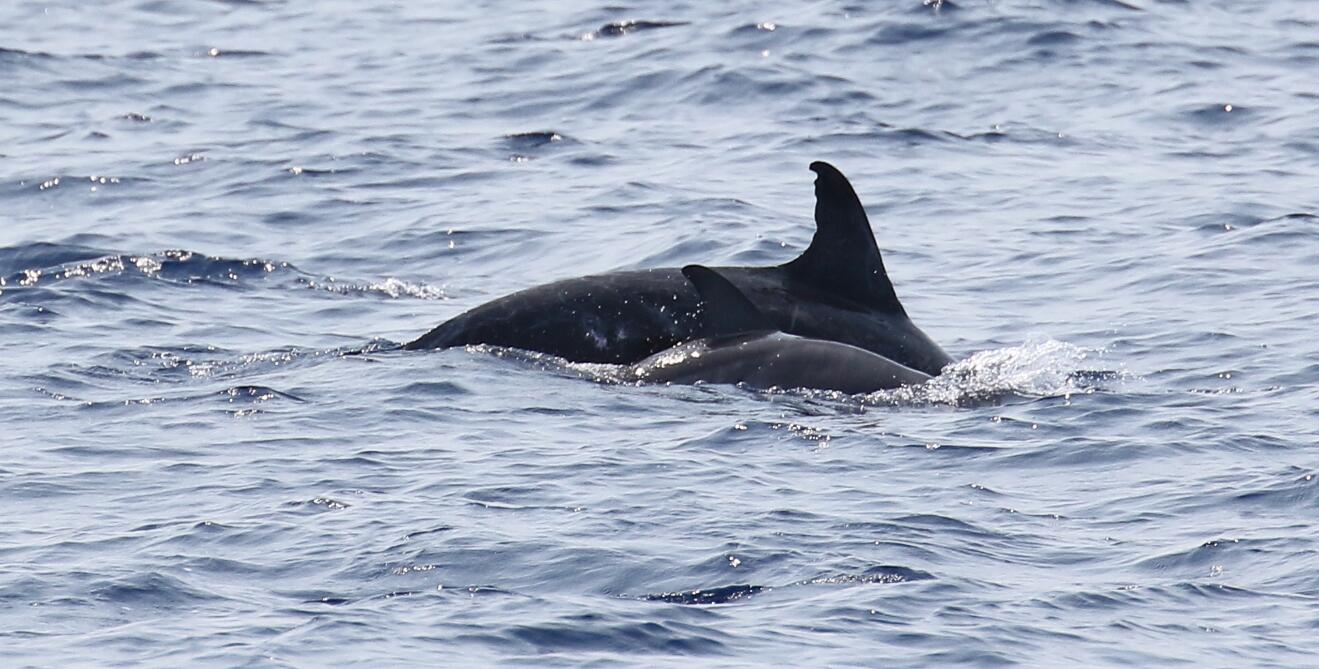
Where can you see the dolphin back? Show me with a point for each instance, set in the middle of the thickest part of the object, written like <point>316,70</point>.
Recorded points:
<point>836,290</point>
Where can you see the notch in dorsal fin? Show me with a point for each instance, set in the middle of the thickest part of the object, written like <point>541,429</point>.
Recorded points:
<point>843,257</point>
<point>727,309</point>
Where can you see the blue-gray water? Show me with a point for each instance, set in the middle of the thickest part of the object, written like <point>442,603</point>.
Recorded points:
<point>204,205</point>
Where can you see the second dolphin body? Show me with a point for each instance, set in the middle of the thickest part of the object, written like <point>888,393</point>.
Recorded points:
<point>745,348</point>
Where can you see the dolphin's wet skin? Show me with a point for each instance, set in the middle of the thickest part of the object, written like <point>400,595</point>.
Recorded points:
<point>836,291</point>
<point>220,222</point>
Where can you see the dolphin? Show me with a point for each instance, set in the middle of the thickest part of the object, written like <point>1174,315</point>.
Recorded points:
<point>747,349</point>
<point>836,290</point>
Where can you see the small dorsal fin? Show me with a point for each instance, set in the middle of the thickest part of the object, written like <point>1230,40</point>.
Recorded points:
<point>727,310</point>
<point>843,257</point>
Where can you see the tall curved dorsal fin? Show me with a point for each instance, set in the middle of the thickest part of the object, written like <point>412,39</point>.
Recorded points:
<point>727,309</point>
<point>843,257</point>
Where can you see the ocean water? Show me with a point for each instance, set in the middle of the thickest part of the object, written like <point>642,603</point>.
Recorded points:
<point>218,219</point>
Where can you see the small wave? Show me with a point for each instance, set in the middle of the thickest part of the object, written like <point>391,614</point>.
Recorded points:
<point>391,287</point>
<point>621,28</point>
<point>179,266</point>
<point>1298,491</point>
<point>1038,368</point>
<point>216,52</point>
<point>256,394</point>
<point>224,368</point>
<point>916,136</point>
<point>514,498</point>
<point>188,375</point>
<point>1268,232</point>
<point>937,6</point>
<point>1053,38</point>
<point>21,54</point>
<point>755,29</point>
<point>43,264</point>
<point>250,397</point>
<point>906,34</point>
<point>533,140</point>
<point>727,594</point>
<point>516,38</point>
<point>300,171</point>
<point>43,254</point>
<point>151,589</point>
<point>525,145</point>
<point>592,634</point>
<point>1018,134</point>
<point>319,504</point>
<point>1118,4</point>
<point>707,596</point>
<point>1219,115</point>
<point>94,182</point>
<point>876,575</point>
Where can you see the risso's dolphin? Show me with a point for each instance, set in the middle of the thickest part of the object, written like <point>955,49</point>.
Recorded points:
<point>745,348</point>
<point>837,290</point>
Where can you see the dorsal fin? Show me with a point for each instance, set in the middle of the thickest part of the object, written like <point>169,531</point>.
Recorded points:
<point>727,310</point>
<point>843,257</point>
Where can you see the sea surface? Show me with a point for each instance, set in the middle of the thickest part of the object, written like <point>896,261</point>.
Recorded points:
<point>218,220</point>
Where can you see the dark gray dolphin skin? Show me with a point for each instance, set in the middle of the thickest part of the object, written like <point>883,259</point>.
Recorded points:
<point>837,290</point>
<point>746,349</point>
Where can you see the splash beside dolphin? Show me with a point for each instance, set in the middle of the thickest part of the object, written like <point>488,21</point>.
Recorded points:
<point>837,290</point>
<point>746,349</point>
